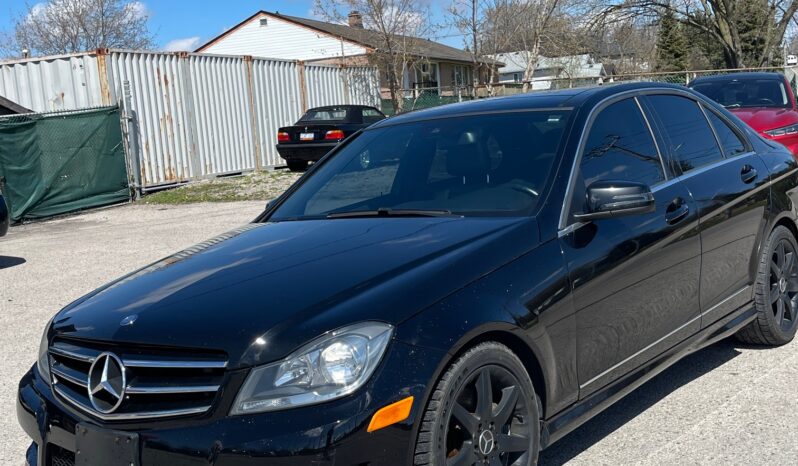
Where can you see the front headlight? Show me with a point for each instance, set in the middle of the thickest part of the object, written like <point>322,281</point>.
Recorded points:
<point>792,129</point>
<point>43,362</point>
<point>329,367</point>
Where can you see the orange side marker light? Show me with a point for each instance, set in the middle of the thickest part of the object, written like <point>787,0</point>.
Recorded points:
<point>391,414</point>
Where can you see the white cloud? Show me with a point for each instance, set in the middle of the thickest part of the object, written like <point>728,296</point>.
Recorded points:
<point>186,44</point>
<point>138,9</point>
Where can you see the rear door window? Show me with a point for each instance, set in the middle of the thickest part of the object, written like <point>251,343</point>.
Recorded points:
<point>689,141</point>
<point>731,142</point>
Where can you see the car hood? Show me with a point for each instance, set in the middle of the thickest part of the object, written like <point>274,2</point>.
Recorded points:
<point>766,118</point>
<point>282,284</point>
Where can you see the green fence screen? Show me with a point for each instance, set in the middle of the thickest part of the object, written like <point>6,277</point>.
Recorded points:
<point>62,162</point>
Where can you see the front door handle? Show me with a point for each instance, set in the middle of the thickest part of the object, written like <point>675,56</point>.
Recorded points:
<point>676,211</point>
<point>748,174</point>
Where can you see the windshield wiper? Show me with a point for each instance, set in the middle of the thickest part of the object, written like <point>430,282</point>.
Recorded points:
<point>388,212</point>
<point>733,106</point>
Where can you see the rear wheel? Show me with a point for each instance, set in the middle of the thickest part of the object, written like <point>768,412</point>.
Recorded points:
<point>483,412</point>
<point>776,292</point>
<point>297,165</point>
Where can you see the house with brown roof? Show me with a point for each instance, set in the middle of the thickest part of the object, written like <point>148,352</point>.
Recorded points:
<point>273,35</point>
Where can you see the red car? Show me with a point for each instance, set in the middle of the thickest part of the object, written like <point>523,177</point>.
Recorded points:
<point>763,100</point>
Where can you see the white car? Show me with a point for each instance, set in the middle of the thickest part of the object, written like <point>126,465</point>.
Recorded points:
<point>792,60</point>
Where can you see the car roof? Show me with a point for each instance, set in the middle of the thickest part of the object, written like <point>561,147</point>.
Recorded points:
<point>564,99</point>
<point>348,106</point>
<point>769,75</point>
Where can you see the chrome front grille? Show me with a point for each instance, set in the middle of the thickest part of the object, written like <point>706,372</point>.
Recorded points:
<point>155,383</point>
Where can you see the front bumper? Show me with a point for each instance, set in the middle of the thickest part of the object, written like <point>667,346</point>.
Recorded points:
<point>329,434</point>
<point>309,152</point>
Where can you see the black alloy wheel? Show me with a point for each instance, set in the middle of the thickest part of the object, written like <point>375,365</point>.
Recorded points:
<point>489,416</point>
<point>486,428</point>
<point>775,292</point>
<point>784,284</point>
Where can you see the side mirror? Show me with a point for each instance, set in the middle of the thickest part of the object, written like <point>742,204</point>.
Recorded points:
<point>607,199</point>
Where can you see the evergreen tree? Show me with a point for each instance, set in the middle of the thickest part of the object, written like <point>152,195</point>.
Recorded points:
<point>672,49</point>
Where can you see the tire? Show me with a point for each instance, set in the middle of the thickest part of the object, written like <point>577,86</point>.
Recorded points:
<point>297,165</point>
<point>775,292</point>
<point>453,433</point>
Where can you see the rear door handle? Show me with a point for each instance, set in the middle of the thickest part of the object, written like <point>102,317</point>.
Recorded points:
<point>676,211</point>
<point>748,174</point>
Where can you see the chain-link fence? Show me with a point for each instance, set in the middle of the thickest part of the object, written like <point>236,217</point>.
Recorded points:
<point>415,99</point>
<point>53,163</point>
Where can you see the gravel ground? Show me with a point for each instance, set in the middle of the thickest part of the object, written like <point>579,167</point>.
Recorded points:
<point>726,405</point>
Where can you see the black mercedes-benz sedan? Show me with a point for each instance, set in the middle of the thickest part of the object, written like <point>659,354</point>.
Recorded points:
<point>319,130</point>
<point>461,285</point>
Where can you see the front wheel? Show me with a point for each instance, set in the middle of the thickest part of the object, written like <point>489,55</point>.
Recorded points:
<point>483,411</point>
<point>775,292</point>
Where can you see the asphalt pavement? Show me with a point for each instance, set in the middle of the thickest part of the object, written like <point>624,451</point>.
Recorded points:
<point>726,405</point>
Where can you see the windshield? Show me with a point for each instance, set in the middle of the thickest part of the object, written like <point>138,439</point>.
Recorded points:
<point>325,114</point>
<point>496,164</point>
<point>736,93</point>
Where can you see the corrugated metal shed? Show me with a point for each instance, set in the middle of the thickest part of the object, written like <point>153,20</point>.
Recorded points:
<point>48,84</point>
<point>195,115</point>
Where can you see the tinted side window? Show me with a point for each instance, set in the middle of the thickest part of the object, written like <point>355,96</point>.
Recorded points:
<point>620,147</point>
<point>730,141</point>
<point>689,141</point>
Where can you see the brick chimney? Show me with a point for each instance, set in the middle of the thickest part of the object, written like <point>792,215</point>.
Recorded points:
<point>355,19</point>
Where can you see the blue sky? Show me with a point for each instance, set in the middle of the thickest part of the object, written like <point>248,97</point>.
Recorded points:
<point>184,24</point>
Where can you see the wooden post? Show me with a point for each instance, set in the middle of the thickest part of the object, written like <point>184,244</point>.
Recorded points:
<point>303,85</point>
<point>252,110</point>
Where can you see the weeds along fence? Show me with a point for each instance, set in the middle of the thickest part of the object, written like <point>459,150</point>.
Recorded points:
<point>188,116</point>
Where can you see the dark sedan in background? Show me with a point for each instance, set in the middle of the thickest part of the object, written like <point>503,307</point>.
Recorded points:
<point>499,272</point>
<point>320,130</point>
<point>763,100</point>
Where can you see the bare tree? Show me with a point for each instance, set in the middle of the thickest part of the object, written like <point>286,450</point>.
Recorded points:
<point>68,26</point>
<point>398,28</point>
<point>534,16</point>
<point>722,19</point>
<point>487,29</point>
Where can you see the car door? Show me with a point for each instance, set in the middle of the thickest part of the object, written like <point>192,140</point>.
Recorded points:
<point>727,181</point>
<point>634,278</point>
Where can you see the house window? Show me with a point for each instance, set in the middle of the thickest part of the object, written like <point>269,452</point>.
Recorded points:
<point>427,75</point>
<point>516,77</point>
<point>461,75</point>
<point>264,21</point>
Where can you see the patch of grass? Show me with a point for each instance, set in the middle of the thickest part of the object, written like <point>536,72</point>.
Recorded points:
<point>257,186</point>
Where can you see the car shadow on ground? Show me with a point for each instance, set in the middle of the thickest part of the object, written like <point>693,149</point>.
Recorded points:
<point>682,373</point>
<point>6,262</point>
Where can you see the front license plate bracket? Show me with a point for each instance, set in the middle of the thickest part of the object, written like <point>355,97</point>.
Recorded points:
<point>102,447</point>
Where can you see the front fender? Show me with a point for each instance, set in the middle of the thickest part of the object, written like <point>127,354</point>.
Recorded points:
<point>526,305</point>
